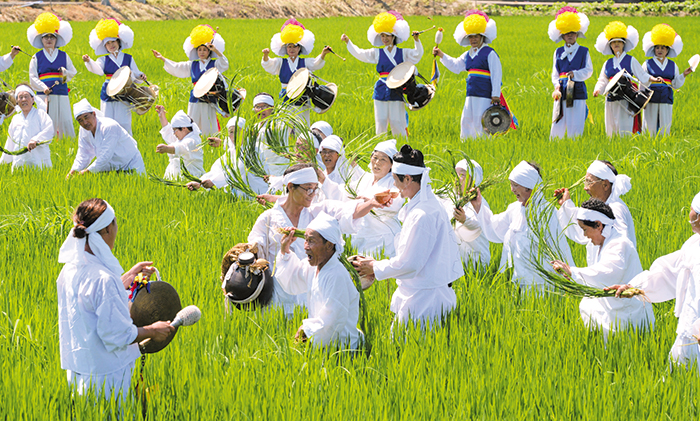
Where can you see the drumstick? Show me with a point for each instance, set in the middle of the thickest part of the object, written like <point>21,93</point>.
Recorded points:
<point>426,30</point>
<point>22,51</point>
<point>336,54</point>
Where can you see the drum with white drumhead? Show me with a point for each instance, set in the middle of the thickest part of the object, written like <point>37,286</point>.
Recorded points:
<point>303,87</point>
<point>625,87</point>
<point>139,99</point>
<point>212,88</point>
<point>415,95</point>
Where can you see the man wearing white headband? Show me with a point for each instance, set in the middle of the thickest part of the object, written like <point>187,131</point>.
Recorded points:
<point>105,140</point>
<point>337,166</point>
<point>31,128</point>
<point>427,257</point>
<point>602,182</point>
<point>332,299</point>
<point>511,227</point>
<point>298,209</point>
<point>677,276</point>
<point>612,259</point>
<point>182,141</point>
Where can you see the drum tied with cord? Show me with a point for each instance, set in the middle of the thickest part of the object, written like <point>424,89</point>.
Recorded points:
<point>415,95</point>
<point>304,87</point>
<point>139,99</point>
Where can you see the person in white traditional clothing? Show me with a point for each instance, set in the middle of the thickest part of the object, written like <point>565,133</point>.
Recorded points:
<point>387,31</point>
<point>427,256</point>
<point>601,182</point>
<point>50,69</point>
<point>661,43</point>
<point>182,141</point>
<point>205,50</point>
<point>321,129</point>
<point>617,39</point>
<point>570,62</point>
<point>511,227</point>
<point>109,39</point>
<point>98,340</point>
<point>332,299</point>
<point>612,259</point>
<point>293,40</point>
<point>677,276</point>
<point>338,168</point>
<point>31,128</point>
<point>263,106</point>
<point>297,210</point>
<point>104,140</point>
<point>483,67</point>
<point>473,245</point>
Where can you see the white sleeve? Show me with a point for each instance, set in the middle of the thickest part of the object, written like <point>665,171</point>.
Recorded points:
<point>639,72</point>
<point>36,83</point>
<point>71,71</point>
<point>104,154</point>
<point>184,146</point>
<point>178,69</point>
<point>496,74</point>
<point>567,220</point>
<point>96,66</point>
<point>5,62</point>
<point>272,65</point>
<point>420,236</point>
<point>168,135</point>
<point>263,235</point>
<point>333,191</point>
<point>609,270</point>
<point>331,312</point>
<point>291,273</point>
<point>493,226</point>
<point>602,81</point>
<point>659,282</point>
<point>555,73</point>
<point>221,64</point>
<point>135,72</point>
<point>315,64</point>
<point>678,78</point>
<point>84,155</point>
<point>646,69</point>
<point>114,325</point>
<point>581,75</point>
<point>47,131</point>
<point>415,54</point>
<point>367,56</point>
<point>455,65</point>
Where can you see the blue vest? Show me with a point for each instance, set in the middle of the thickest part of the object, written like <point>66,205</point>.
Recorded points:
<point>565,66</point>
<point>110,68</point>
<point>50,73</point>
<point>663,92</point>
<point>384,67</point>
<point>286,74</point>
<point>478,73</point>
<point>610,72</point>
<point>195,74</point>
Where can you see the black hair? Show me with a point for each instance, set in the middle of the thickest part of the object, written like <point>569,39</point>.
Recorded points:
<point>410,156</point>
<point>536,166</point>
<point>611,166</point>
<point>596,205</point>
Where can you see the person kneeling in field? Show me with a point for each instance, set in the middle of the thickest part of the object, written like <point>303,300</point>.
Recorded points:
<point>105,140</point>
<point>332,300</point>
<point>677,275</point>
<point>611,259</point>
<point>181,136</point>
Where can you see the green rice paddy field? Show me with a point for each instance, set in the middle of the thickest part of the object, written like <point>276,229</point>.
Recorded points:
<point>503,356</point>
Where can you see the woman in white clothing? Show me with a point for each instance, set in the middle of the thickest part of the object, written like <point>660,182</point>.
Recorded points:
<point>181,136</point>
<point>338,168</point>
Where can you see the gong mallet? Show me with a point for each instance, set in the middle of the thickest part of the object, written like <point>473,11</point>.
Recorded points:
<point>185,317</point>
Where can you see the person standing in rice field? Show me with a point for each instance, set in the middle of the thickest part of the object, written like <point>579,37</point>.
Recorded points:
<point>387,31</point>
<point>205,50</point>
<point>50,69</point>
<point>483,67</point>
<point>570,62</point>
<point>109,39</point>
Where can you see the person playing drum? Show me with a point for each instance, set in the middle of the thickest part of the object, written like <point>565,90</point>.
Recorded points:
<point>50,69</point>
<point>111,37</point>
<point>571,62</point>
<point>387,31</point>
<point>617,39</point>
<point>292,41</point>
<point>660,44</point>
<point>205,49</point>
<point>182,140</point>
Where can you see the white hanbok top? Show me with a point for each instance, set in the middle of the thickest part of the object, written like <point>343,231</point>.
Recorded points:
<point>182,69</point>
<point>274,164</point>
<point>371,55</point>
<point>34,80</point>
<point>615,262</point>
<point>332,299</point>
<point>511,229</point>
<point>98,66</point>
<point>94,325</point>
<point>112,146</point>
<point>37,125</point>
<point>678,77</point>
<point>217,174</point>
<point>623,220</point>
<point>345,171</point>
<point>637,71</point>
<point>458,65</point>
<point>473,244</point>
<point>273,65</point>
<point>6,62</point>
<point>187,149</point>
<point>580,75</point>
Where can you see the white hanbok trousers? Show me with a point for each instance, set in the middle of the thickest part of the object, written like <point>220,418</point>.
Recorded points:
<point>474,108</point>
<point>658,118</point>
<point>58,108</point>
<point>572,123</point>
<point>115,384</point>
<point>390,113</point>
<point>617,119</point>
<point>118,112</point>
<point>426,306</point>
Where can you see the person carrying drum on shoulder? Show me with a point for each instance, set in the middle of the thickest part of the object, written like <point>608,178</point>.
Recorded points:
<point>387,31</point>
<point>111,37</point>
<point>571,62</point>
<point>661,44</point>
<point>617,40</point>
<point>483,67</point>
<point>205,49</point>
<point>50,69</point>
<point>292,41</point>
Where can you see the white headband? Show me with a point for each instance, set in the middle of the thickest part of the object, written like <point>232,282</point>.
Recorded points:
<point>263,99</point>
<point>525,175</point>
<point>696,203</point>
<point>82,107</point>
<point>329,228</point>
<point>621,183</point>
<point>388,147</point>
<point>333,143</point>
<point>400,168</point>
<point>303,176</point>
<point>478,175</point>
<point>233,120</point>
<point>323,127</point>
<point>584,214</point>
<point>23,88</point>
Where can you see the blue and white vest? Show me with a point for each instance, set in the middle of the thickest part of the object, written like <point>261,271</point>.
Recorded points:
<point>286,74</point>
<point>50,73</point>
<point>565,66</point>
<point>478,73</point>
<point>384,67</point>
<point>610,72</point>
<point>195,74</point>
<point>663,92</point>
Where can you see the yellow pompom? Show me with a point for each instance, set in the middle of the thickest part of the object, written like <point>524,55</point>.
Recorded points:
<point>568,22</point>
<point>292,34</point>
<point>474,24</point>
<point>201,34</point>
<point>384,23</point>
<point>107,28</point>
<point>615,29</point>
<point>47,23</point>
<point>663,34</point>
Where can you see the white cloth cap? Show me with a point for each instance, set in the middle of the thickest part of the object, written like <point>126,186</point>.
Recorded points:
<point>263,99</point>
<point>478,174</point>
<point>696,203</point>
<point>235,119</point>
<point>73,249</point>
<point>329,228</point>
<point>333,143</point>
<point>584,214</point>
<point>525,175</point>
<point>82,107</point>
<point>24,88</point>
<point>388,147</point>
<point>302,176</point>
<point>621,183</point>
<point>323,127</point>
<point>181,119</point>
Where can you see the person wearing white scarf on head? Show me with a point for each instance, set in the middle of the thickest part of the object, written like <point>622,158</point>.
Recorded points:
<point>338,169</point>
<point>27,128</point>
<point>98,340</point>
<point>677,276</point>
<point>511,228</point>
<point>263,106</point>
<point>427,256</point>
<point>182,138</point>
<point>105,140</point>
<point>322,129</point>
<point>473,245</point>
<point>332,299</point>
<point>612,259</point>
<point>601,182</point>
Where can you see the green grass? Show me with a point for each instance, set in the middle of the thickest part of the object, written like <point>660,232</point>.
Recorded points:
<point>502,356</point>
